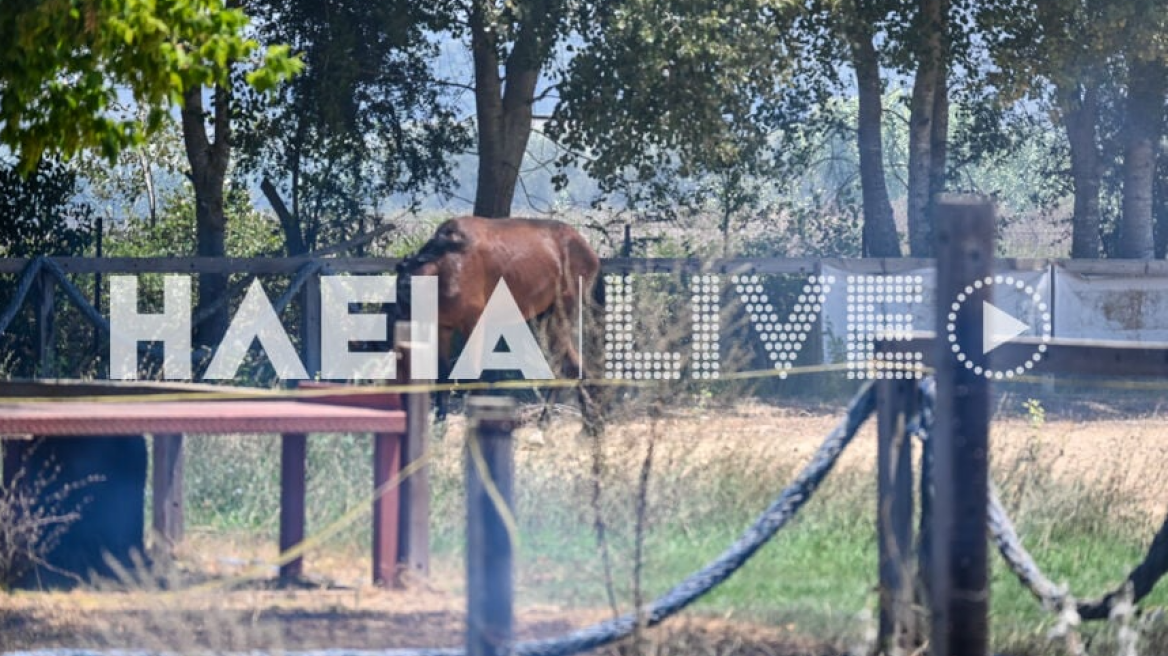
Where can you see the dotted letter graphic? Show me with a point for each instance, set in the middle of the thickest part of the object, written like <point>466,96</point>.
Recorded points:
<point>620,360</point>
<point>783,340</point>
<point>704,301</point>
<point>867,323</point>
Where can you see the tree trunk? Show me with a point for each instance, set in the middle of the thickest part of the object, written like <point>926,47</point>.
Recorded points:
<point>879,233</point>
<point>208,160</point>
<point>504,109</point>
<point>939,133</point>
<point>921,113</point>
<point>1080,107</point>
<point>1145,115</point>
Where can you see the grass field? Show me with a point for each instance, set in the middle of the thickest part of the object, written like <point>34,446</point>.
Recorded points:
<point>1086,495</point>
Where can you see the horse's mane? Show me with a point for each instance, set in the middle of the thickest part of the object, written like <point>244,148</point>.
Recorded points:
<point>433,250</point>
<point>439,245</point>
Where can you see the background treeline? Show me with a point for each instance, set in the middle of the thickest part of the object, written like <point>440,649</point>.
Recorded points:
<point>712,126</point>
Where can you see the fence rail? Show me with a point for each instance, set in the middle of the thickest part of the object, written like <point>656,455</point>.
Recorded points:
<point>762,265</point>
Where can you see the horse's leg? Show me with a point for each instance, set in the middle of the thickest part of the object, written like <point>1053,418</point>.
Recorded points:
<point>441,397</point>
<point>548,399</point>
<point>563,337</point>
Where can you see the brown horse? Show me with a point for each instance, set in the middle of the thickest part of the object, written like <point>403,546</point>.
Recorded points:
<point>547,265</point>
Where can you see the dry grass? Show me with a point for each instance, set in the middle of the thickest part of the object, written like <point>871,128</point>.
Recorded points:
<point>714,466</point>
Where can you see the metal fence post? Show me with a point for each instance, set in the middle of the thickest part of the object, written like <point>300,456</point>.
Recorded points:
<point>489,549</point>
<point>959,583</point>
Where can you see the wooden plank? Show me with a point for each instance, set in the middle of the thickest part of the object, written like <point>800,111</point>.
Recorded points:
<point>1110,267</point>
<point>693,265</point>
<point>66,388</point>
<point>310,325</point>
<point>193,265</point>
<point>386,506</point>
<point>959,595</point>
<point>1077,357</point>
<point>894,514</point>
<point>414,523</point>
<point>167,490</point>
<point>489,580</point>
<point>289,265</point>
<point>97,418</point>
<point>46,343</point>
<point>293,492</point>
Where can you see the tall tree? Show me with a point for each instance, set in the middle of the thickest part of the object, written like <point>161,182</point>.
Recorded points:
<point>1081,56</point>
<point>363,121</point>
<point>667,101</point>
<point>858,20</point>
<point>927,128</point>
<point>511,43</point>
<point>1147,84</point>
<point>62,64</point>
<point>208,157</point>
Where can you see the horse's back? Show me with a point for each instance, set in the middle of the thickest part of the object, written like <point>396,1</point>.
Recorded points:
<point>568,244</point>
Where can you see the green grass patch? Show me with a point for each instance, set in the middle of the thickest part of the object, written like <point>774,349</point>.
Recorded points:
<point>819,573</point>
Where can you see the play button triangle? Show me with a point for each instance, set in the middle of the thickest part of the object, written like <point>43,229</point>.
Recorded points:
<point>998,327</point>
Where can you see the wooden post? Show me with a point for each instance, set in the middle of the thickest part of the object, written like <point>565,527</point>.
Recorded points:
<point>167,489</point>
<point>293,484</point>
<point>46,344</point>
<point>925,527</point>
<point>414,522</point>
<point>894,513</point>
<point>959,585</point>
<point>489,615</point>
<point>386,506</point>
<point>310,325</point>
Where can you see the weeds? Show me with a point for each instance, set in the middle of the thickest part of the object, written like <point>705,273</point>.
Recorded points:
<point>33,518</point>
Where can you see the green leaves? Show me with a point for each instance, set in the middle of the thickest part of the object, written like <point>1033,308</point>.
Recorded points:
<point>66,61</point>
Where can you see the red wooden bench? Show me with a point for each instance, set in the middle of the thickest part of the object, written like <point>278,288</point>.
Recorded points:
<point>167,420</point>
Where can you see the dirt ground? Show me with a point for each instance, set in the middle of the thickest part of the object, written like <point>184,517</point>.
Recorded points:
<point>1124,453</point>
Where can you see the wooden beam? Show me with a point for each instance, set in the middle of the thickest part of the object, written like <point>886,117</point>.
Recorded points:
<point>46,343</point>
<point>167,491</point>
<point>1072,357</point>
<point>894,514</point>
<point>386,506</point>
<point>761,265</point>
<point>959,593</point>
<point>293,492</point>
<point>414,522</point>
<point>194,265</point>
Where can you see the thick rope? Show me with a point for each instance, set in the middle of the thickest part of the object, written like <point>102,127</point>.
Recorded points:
<point>1054,597</point>
<point>768,523</point>
<point>775,517</point>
